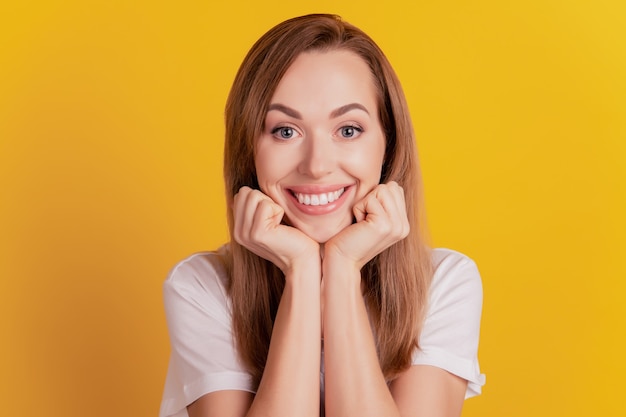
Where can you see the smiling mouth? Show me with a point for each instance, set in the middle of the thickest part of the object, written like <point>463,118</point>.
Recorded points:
<point>318,199</point>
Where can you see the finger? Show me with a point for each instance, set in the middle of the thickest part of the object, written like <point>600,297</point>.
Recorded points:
<point>238,204</point>
<point>360,208</point>
<point>385,196</point>
<point>265,209</point>
<point>388,210</point>
<point>392,198</point>
<point>266,217</point>
<point>398,192</point>
<point>366,205</point>
<point>370,208</point>
<point>245,206</point>
<point>359,211</point>
<point>243,190</point>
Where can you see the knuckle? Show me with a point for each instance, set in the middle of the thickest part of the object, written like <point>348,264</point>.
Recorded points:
<point>256,234</point>
<point>237,236</point>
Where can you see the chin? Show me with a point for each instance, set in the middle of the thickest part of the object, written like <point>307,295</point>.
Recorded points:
<point>320,229</point>
<point>322,234</point>
<point>320,237</point>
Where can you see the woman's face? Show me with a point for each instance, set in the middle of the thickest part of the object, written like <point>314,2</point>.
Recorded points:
<point>322,145</point>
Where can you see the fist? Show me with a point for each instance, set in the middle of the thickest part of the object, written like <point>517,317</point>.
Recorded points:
<point>381,221</point>
<point>258,227</point>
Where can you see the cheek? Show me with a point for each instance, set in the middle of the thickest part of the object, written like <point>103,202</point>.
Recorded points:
<point>264,163</point>
<point>367,164</point>
<point>262,169</point>
<point>271,166</point>
<point>378,158</point>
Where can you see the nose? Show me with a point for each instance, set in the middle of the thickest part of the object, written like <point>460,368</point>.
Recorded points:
<point>318,158</point>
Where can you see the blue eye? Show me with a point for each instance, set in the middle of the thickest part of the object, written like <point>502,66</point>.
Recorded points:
<point>284,132</point>
<point>350,132</point>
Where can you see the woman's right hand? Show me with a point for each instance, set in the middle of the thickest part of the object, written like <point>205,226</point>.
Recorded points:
<point>258,228</point>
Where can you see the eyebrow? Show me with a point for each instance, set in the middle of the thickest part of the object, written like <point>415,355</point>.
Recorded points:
<point>287,110</point>
<point>333,114</point>
<point>345,109</point>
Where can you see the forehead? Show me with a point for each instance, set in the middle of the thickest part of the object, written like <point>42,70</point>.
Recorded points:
<point>327,78</point>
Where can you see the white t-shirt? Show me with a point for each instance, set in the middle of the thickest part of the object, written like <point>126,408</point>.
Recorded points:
<point>204,358</point>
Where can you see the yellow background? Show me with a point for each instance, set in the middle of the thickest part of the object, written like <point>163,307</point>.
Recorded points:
<point>111,136</point>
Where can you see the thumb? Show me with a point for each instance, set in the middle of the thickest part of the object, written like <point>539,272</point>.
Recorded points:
<point>359,211</point>
<point>270,212</point>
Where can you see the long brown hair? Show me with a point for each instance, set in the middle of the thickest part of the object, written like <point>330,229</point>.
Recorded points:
<point>397,280</point>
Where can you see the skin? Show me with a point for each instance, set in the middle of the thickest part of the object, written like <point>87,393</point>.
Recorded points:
<point>322,134</point>
<point>328,111</point>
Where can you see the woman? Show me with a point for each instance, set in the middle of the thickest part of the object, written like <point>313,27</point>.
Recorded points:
<point>327,300</point>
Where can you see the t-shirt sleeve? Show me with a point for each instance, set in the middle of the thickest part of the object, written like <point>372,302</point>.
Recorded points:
<point>203,357</point>
<point>449,337</point>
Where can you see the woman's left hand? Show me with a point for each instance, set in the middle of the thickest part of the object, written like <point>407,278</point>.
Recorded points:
<point>381,221</point>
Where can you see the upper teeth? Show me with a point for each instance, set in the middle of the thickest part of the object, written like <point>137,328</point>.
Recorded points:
<point>319,199</point>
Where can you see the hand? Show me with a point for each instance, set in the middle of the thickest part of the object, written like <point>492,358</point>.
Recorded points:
<point>257,226</point>
<point>381,221</point>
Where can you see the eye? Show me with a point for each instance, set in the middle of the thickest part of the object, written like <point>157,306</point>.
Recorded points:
<point>284,132</point>
<point>350,131</point>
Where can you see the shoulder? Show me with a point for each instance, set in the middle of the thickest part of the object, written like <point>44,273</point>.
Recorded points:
<point>198,267</point>
<point>204,358</point>
<point>448,261</point>
<point>451,328</point>
<point>454,303</point>
<point>455,275</point>
<point>200,280</point>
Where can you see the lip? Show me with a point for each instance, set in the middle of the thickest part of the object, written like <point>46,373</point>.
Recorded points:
<point>317,189</point>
